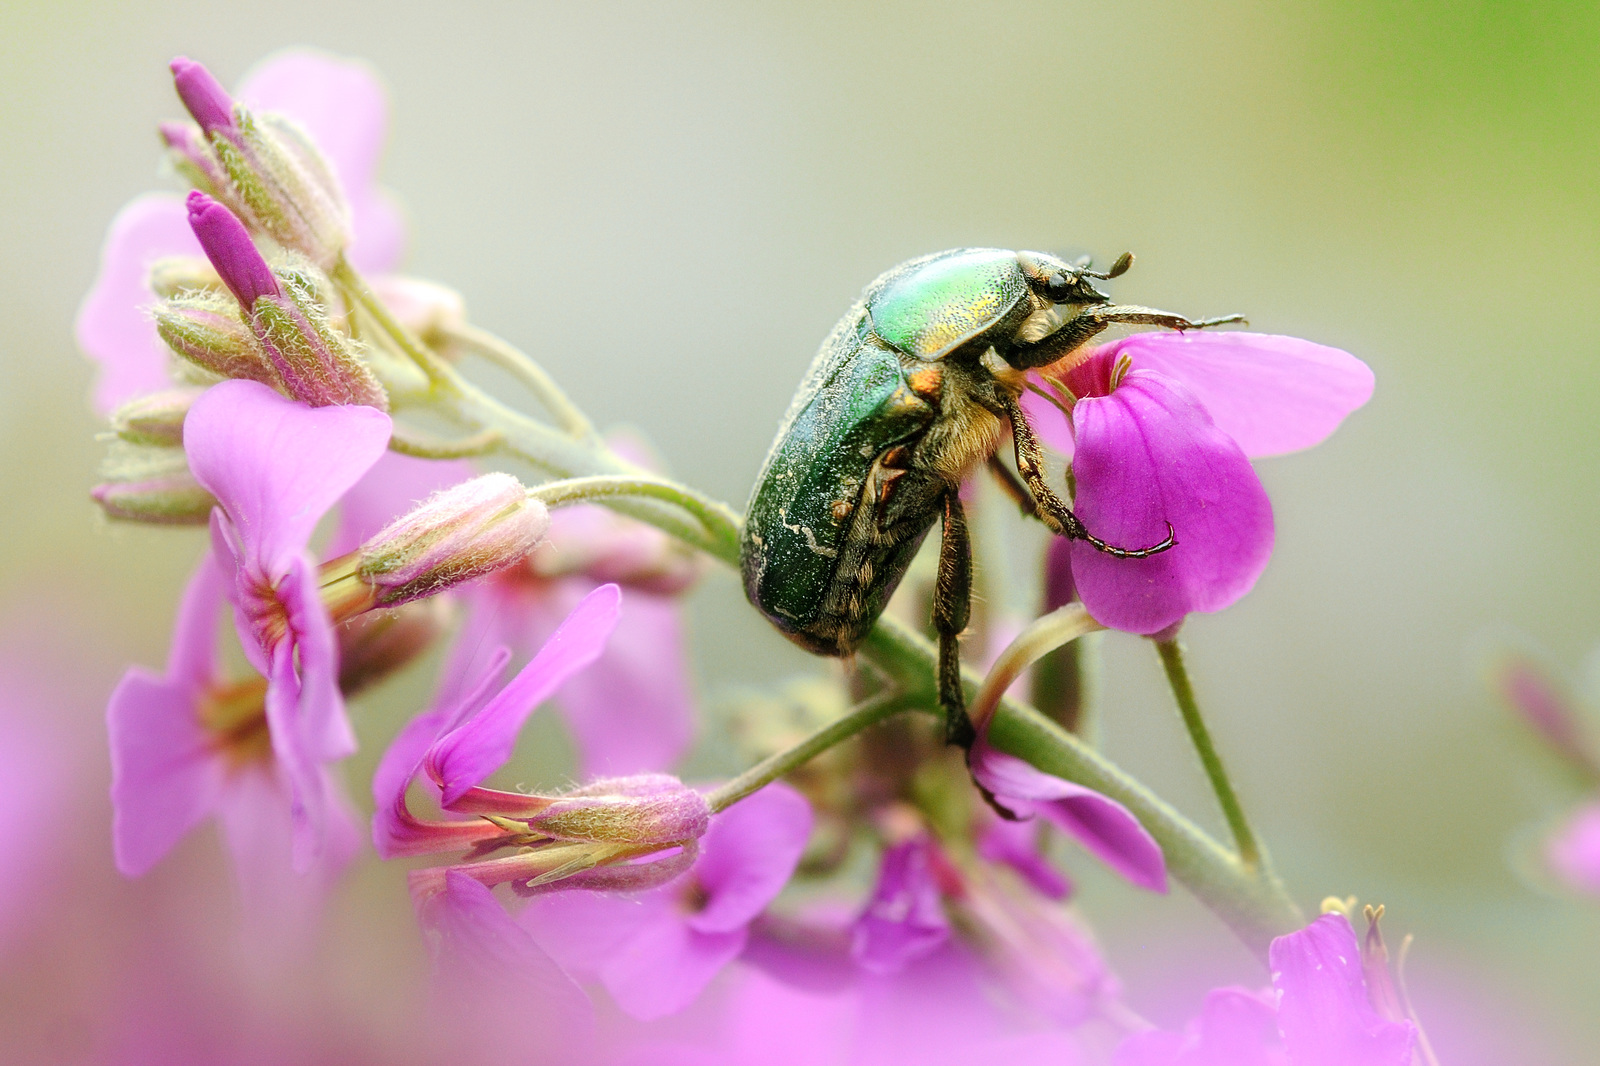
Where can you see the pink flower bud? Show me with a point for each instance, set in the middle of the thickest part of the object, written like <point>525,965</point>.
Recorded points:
<point>228,245</point>
<point>203,96</point>
<point>641,809</point>
<point>156,418</point>
<point>151,484</point>
<point>455,535</point>
<point>316,363</point>
<point>179,275</point>
<point>206,329</point>
<point>372,646</point>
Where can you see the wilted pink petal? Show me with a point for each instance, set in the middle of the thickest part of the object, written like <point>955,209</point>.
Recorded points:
<point>1149,455</point>
<point>1271,394</point>
<point>1323,1010</point>
<point>471,752</point>
<point>1102,825</point>
<point>113,326</point>
<point>1574,851</point>
<point>904,920</point>
<point>343,105</point>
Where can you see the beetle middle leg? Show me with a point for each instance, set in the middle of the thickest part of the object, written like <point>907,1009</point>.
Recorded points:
<point>1053,511</point>
<point>952,602</point>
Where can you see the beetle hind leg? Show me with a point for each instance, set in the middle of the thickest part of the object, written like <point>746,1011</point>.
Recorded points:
<point>952,602</point>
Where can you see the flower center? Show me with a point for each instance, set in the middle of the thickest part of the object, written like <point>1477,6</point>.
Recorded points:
<point>236,717</point>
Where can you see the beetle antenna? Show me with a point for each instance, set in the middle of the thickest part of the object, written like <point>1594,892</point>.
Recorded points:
<point>1119,268</point>
<point>1133,553</point>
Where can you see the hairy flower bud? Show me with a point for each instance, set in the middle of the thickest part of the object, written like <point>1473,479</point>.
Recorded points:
<point>151,484</point>
<point>203,96</point>
<point>455,535</point>
<point>205,328</point>
<point>177,275</point>
<point>156,418</point>
<point>641,809</point>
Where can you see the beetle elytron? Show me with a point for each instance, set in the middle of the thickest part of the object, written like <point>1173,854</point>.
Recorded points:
<point>907,395</point>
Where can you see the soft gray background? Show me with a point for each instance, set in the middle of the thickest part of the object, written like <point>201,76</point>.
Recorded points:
<point>669,205</point>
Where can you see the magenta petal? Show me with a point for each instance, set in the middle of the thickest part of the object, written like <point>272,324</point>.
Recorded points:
<point>584,930</point>
<point>321,705</point>
<point>1149,455</point>
<point>275,465</point>
<point>633,711</point>
<point>904,920</point>
<point>1271,394</point>
<point>470,753</point>
<point>666,965</point>
<point>1323,1010</point>
<point>164,776</point>
<point>1574,851</point>
<point>395,484</point>
<point>1049,423</point>
<point>1103,826</point>
<point>1016,844</point>
<point>113,326</point>
<point>483,956</point>
<point>748,855</point>
<point>391,823</point>
<point>193,656</point>
<point>343,105</point>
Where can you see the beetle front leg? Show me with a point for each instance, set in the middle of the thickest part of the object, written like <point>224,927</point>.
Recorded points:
<point>1092,321</point>
<point>1053,510</point>
<point>952,601</point>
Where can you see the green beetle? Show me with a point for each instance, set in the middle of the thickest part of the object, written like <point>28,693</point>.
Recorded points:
<point>911,390</point>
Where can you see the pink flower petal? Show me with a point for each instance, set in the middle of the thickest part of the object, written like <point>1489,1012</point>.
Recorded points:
<point>1103,826</point>
<point>165,779</point>
<point>1323,1010</point>
<point>1049,424</point>
<point>1574,851</point>
<point>113,326</point>
<point>666,966</point>
<point>276,466</point>
<point>343,105</point>
<point>1271,394</point>
<point>748,855</point>
<point>583,930</point>
<point>193,656</point>
<point>1016,844</point>
<point>1149,455</point>
<point>904,920</point>
<point>473,751</point>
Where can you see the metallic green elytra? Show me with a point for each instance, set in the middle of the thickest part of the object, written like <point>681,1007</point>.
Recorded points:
<point>911,390</point>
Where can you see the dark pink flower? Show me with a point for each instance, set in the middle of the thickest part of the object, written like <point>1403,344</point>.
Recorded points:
<point>904,919</point>
<point>1323,1014</point>
<point>275,467</point>
<point>1161,432</point>
<point>1017,845</point>
<point>655,951</point>
<point>343,107</point>
<point>1102,825</point>
<point>191,744</point>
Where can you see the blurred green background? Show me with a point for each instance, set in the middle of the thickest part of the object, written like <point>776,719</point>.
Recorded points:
<point>669,205</point>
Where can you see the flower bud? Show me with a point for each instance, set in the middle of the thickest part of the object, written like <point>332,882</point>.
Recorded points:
<point>455,535</point>
<point>228,245</point>
<point>177,275</point>
<point>642,809</point>
<point>205,328</point>
<point>265,164</point>
<point>375,645</point>
<point>424,307</point>
<point>191,156</point>
<point>149,484</point>
<point>156,418</point>
<point>317,364</point>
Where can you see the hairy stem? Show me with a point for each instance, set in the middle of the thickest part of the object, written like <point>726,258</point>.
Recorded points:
<point>513,360</point>
<point>1182,691</point>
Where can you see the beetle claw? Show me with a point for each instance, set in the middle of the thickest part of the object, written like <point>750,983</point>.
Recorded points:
<point>1171,541</point>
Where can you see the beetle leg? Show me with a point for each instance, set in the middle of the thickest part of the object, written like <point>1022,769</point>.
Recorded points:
<point>1092,321</point>
<point>1053,511</point>
<point>1012,486</point>
<point>952,599</point>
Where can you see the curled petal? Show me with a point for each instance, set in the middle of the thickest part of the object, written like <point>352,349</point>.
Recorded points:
<point>904,920</point>
<point>1271,394</point>
<point>1323,1010</point>
<point>478,747</point>
<point>276,466</point>
<point>113,326</point>
<point>1102,825</point>
<point>1149,455</point>
<point>748,855</point>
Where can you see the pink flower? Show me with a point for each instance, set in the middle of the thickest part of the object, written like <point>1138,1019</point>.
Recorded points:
<point>1161,432</point>
<point>1324,1014</point>
<point>342,105</point>
<point>275,467</point>
<point>634,711</point>
<point>655,951</point>
<point>1102,825</point>
<point>904,919</point>
<point>191,744</point>
<point>1573,851</point>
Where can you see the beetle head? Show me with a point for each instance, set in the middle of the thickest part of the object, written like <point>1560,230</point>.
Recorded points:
<point>1061,282</point>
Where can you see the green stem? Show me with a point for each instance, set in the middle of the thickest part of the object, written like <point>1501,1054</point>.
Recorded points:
<point>1178,677</point>
<point>870,712</point>
<point>541,384</point>
<point>719,522</point>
